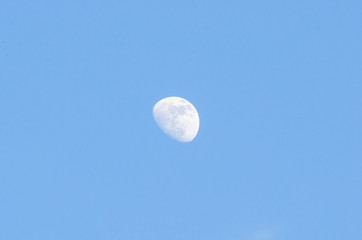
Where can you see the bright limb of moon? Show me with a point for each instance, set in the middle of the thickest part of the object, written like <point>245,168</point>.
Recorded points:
<point>177,118</point>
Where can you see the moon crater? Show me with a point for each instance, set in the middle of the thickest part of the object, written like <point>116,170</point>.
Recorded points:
<point>177,118</point>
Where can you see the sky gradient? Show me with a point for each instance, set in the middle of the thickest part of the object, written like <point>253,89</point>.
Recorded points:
<point>278,88</point>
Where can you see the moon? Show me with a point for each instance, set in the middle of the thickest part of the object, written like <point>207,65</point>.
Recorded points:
<point>177,117</point>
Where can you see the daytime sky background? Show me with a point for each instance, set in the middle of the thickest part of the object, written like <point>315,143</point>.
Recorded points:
<point>278,88</point>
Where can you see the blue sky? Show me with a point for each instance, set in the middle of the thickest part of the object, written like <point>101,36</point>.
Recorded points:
<point>278,87</point>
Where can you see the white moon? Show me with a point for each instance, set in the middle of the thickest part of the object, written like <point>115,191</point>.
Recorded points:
<point>178,118</point>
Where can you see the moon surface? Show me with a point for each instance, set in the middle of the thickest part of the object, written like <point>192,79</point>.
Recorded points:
<point>178,118</point>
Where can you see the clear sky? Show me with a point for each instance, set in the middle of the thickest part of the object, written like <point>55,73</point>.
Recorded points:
<point>278,87</point>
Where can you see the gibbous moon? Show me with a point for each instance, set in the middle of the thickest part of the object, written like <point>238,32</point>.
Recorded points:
<point>177,118</point>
